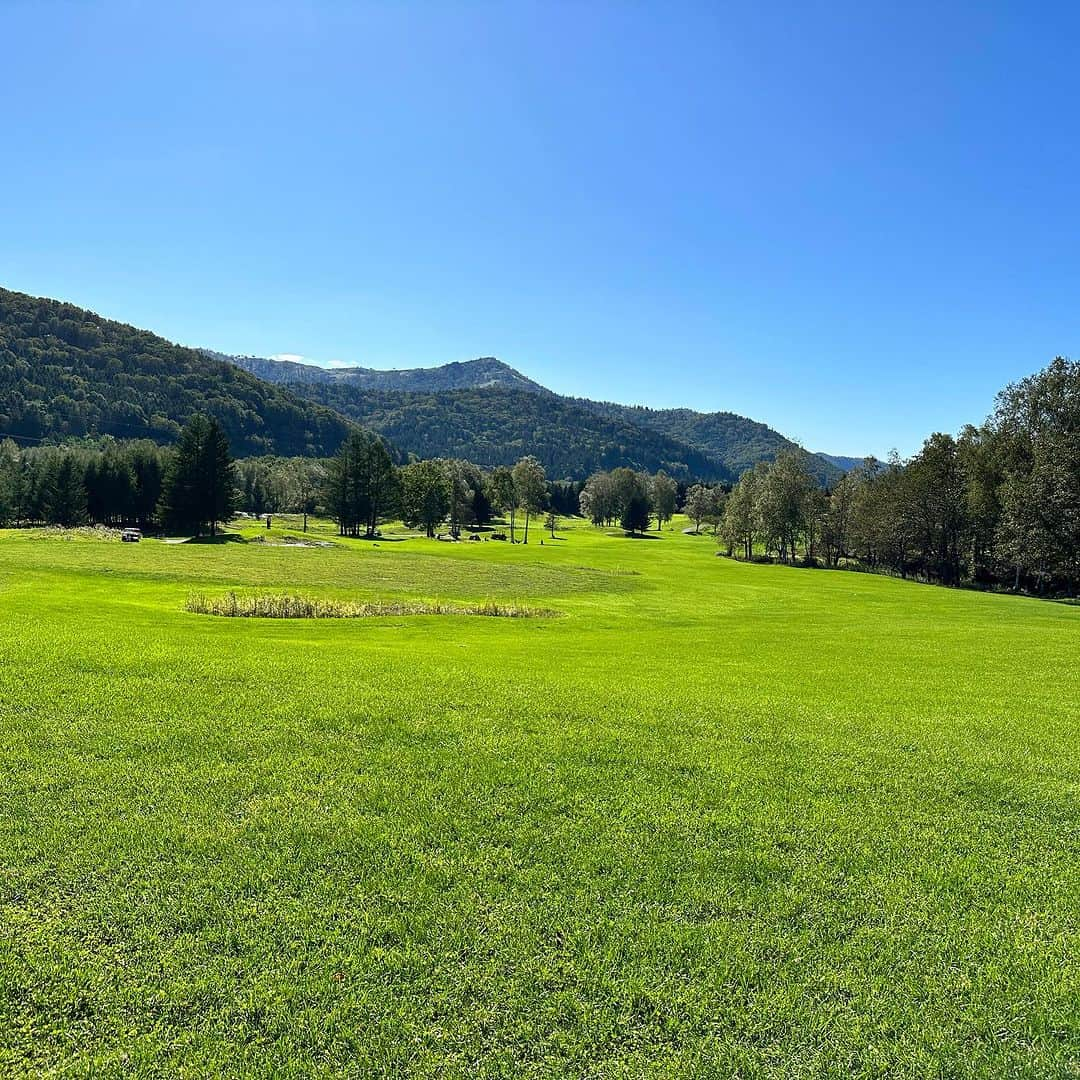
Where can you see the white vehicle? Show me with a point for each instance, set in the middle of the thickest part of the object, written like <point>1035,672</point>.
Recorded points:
<point>131,536</point>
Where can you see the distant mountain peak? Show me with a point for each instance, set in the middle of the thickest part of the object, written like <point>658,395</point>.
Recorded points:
<point>485,372</point>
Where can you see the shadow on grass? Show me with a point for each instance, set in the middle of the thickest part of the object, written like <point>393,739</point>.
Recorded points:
<point>227,538</point>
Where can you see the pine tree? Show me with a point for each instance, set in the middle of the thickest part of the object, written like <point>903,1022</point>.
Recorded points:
<point>218,477</point>
<point>65,493</point>
<point>362,484</point>
<point>199,488</point>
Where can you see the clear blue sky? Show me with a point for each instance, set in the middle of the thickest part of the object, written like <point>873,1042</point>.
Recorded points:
<point>854,221</point>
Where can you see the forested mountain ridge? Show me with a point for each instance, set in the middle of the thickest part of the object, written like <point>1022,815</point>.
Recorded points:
<point>737,442</point>
<point>65,371</point>
<point>481,374</point>
<point>498,425</point>
<point>731,443</point>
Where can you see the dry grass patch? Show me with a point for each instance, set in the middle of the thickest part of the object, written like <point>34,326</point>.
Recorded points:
<point>287,606</point>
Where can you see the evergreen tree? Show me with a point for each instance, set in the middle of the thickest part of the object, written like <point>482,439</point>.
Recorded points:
<point>10,467</point>
<point>64,492</point>
<point>636,513</point>
<point>199,487</point>
<point>362,484</point>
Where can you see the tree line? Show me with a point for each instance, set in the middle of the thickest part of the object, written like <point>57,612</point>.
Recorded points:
<point>194,486</point>
<point>189,487</point>
<point>998,505</point>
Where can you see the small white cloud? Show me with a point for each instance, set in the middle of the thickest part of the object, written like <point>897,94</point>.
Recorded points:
<point>293,358</point>
<point>337,363</point>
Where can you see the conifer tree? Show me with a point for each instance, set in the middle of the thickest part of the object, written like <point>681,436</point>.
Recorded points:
<point>199,487</point>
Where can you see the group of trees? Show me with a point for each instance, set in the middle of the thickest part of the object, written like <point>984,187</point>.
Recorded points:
<point>111,483</point>
<point>189,488</point>
<point>364,487</point>
<point>629,499</point>
<point>999,504</point>
<point>194,486</point>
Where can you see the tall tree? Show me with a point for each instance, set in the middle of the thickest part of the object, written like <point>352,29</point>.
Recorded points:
<point>782,503</point>
<point>425,495</point>
<point>504,495</point>
<point>199,487</point>
<point>465,481</point>
<point>663,491</point>
<point>362,484</point>
<point>738,524</point>
<point>64,491</point>
<point>530,482</point>
<point>1038,423</point>
<point>597,500</point>
<point>10,467</point>
<point>698,504</point>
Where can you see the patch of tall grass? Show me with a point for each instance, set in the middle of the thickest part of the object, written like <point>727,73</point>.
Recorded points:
<point>289,606</point>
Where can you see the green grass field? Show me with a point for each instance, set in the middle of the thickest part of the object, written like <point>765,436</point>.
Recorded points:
<point>715,820</point>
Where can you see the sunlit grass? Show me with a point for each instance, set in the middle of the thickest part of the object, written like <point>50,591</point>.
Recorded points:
<point>718,819</point>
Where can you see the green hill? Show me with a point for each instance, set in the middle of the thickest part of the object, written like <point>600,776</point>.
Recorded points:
<point>497,425</point>
<point>575,432</point>
<point>66,371</point>
<point>735,441</point>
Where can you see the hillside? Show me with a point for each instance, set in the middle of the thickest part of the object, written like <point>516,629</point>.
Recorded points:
<point>496,426</point>
<point>735,441</point>
<point>66,371</point>
<point>721,443</point>
<point>481,374</point>
<point>842,461</point>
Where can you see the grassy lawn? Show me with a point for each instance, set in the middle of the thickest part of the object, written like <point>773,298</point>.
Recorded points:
<point>716,819</point>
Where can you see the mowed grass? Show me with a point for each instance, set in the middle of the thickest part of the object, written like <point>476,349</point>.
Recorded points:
<point>717,820</point>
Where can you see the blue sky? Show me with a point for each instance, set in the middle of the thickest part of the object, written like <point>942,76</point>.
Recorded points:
<point>854,221</point>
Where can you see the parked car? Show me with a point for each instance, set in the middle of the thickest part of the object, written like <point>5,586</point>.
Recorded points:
<point>131,536</point>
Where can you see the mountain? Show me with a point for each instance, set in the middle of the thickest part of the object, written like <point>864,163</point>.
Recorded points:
<point>498,425</point>
<point>481,374</point>
<point>66,371</point>
<point>714,445</point>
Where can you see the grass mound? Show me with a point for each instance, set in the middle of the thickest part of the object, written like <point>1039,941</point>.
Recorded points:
<point>287,606</point>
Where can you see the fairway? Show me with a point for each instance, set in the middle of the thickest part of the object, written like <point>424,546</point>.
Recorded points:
<point>714,819</point>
